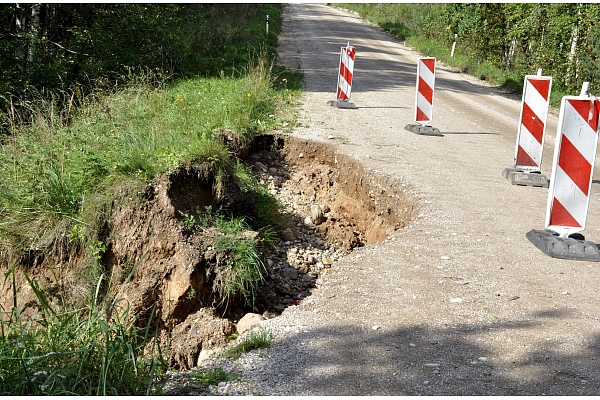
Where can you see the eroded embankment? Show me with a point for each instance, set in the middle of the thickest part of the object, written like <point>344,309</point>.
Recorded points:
<point>330,203</point>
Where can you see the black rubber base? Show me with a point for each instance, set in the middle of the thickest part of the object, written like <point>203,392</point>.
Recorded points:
<point>341,104</point>
<point>575,247</point>
<point>423,130</point>
<point>525,178</point>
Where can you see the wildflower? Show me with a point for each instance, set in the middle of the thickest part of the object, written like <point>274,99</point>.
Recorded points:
<point>249,94</point>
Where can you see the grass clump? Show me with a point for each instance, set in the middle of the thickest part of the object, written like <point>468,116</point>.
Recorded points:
<point>211,377</point>
<point>60,350</point>
<point>255,339</point>
<point>244,270</point>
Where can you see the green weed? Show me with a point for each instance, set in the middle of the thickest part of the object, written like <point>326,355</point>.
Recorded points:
<point>255,339</point>
<point>61,350</point>
<point>211,377</point>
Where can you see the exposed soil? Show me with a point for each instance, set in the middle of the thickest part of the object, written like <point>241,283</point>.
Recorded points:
<point>331,207</point>
<point>180,272</point>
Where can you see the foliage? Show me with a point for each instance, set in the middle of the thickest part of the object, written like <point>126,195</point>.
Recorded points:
<point>254,339</point>
<point>60,350</point>
<point>80,48</point>
<point>502,42</point>
<point>245,269</point>
<point>211,377</point>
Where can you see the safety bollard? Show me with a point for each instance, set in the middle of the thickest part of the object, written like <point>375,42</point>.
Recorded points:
<point>344,83</point>
<point>571,181</point>
<point>530,135</point>
<point>424,98</point>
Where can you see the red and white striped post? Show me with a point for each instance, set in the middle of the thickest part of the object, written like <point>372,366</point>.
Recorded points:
<point>530,135</point>
<point>532,125</point>
<point>344,82</point>
<point>573,166</point>
<point>425,85</point>
<point>346,70</point>
<point>572,170</point>
<point>424,98</point>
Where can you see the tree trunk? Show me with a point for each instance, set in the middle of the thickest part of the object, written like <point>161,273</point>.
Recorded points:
<point>34,28</point>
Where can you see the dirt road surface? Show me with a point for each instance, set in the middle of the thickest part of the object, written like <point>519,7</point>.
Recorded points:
<point>459,302</point>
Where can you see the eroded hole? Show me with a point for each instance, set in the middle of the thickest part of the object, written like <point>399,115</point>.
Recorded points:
<point>333,206</point>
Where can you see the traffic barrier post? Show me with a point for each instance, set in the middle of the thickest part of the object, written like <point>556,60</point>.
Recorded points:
<point>571,181</point>
<point>424,98</point>
<point>344,82</point>
<point>530,135</point>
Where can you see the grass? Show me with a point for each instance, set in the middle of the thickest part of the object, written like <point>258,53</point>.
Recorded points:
<point>255,339</point>
<point>245,270</point>
<point>54,174</point>
<point>95,350</point>
<point>211,377</point>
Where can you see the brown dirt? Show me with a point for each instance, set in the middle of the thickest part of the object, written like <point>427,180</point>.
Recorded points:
<point>176,273</point>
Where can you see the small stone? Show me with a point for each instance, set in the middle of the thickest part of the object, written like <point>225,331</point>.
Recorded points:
<point>301,155</point>
<point>288,235</point>
<point>482,359</point>
<point>204,354</point>
<point>248,322</point>
<point>326,209</point>
<point>330,137</point>
<point>445,258</point>
<point>326,261</point>
<point>289,273</point>
<point>412,345</point>
<point>425,382</point>
<point>432,365</point>
<point>316,214</point>
<point>456,300</point>
<point>260,166</point>
<point>376,327</point>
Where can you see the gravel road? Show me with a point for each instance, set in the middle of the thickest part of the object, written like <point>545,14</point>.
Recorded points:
<point>459,302</point>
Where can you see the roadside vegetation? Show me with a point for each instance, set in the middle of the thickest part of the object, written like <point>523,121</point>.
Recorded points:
<point>501,42</point>
<point>121,106</point>
<point>259,338</point>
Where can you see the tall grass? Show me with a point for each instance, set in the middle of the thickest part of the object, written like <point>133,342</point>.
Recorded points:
<point>58,350</point>
<point>55,172</point>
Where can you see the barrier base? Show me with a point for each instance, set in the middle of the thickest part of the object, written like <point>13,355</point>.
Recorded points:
<point>575,247</point>
<point>423,130</point>
<point>525,178</point>
<point>341,104</point>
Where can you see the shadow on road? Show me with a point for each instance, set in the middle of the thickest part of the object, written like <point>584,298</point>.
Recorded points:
<point>377,65</point>
<point>471,133</point>
<point>419,360</point>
